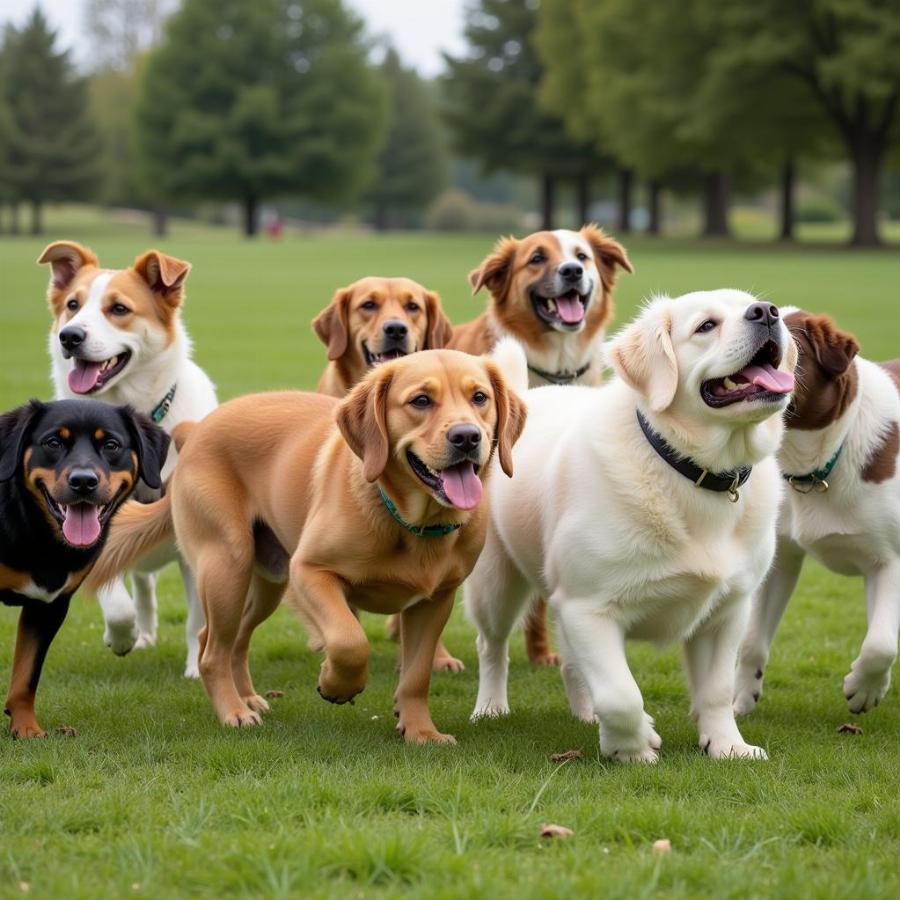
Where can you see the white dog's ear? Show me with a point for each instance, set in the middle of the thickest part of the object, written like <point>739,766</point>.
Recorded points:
<point>643,356</point>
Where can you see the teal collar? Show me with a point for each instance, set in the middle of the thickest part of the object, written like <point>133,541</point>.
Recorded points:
<point>417,530</point>
<point>161,410</point>
<point>814,481</point>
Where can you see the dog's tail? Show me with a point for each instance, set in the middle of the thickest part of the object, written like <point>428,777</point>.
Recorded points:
<point>509,355</point>
<point>134,531</point>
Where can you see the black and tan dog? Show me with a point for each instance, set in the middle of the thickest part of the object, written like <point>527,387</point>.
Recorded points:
<point>65,468</point>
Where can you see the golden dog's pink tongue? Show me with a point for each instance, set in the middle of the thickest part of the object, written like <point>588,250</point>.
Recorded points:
<point>84,376</point>
<point>769,378</point>
<point>570,308</point>
<point>462,486</point>
<point>81,527</point>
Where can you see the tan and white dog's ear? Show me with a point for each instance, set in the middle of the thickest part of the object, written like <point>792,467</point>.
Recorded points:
<point>642,355</point>
<point>332,325</point>
<point>66,259</point>
<point>165,275</point>
<point>834,349</point>
<point>362,419</point>
<point>511,416</point>
<point>496,269</point>
<point>608,253</point>
<point>440,328</point>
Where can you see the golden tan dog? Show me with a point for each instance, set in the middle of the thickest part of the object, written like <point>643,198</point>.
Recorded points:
<point>374,320</point>
<point>380,494</point>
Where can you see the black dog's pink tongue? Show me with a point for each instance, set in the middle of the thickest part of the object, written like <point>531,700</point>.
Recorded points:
<point>462,486</point>
<point>81,527</point>
<point>84,377</point>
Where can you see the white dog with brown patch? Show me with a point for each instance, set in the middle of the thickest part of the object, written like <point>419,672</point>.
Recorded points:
<point>644,510</point>
<point>117,336</point>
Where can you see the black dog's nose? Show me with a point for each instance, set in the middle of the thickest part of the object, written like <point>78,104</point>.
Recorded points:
<point>571,272</point>
<point>71,337</point>
<point>83,481</point>
<point>762,314</point>
<point>464,437</point>
<point>395,330</point>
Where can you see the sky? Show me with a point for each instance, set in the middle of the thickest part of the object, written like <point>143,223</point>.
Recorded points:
<point>419,29</point>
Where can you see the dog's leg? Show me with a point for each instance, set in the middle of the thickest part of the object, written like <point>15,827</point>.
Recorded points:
<point>769,604</point>
<point>710,657</point>
<point>144,584</point>
<point>577,689</point>
<point>537,639</point>
<point>444,660</point>
<point>119,617</point>
<point>195,620</point>
<point>597,646</point>
<point>262,600</point>
<point>420,631</point>
<point>38,625</point>
<point>870,673</point>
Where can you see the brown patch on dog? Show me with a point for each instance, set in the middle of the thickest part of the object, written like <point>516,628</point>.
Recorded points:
<point>11,579</point>
<point>67,259</point>
<point>99,434</point>
<point>64,433</point>
<point>882,462</point>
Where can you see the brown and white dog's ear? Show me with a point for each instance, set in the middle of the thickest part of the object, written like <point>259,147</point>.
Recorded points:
<point>332,325</point>
<point>362,419</point>
<point>642,355</point>
<point>511,415</point>
<point>165,275</point>
<point>834,349</point>
<point>496,269</point>
<point>608,253</point>
<point>66,259</point>
<point>440,328</point>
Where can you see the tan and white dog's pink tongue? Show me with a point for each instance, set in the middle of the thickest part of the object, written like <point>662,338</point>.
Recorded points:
<point>84,377</point>
<point>81,527</point>
<point>462,486</point>
<point>769,378</point>
<point>570,308</point>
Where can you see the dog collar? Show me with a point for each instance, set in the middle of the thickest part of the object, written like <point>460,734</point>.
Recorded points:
<point>161,410</point>
<point>564,377</point>
<point>720,482</point>
<point>813,481</point>
<point>417,530</point>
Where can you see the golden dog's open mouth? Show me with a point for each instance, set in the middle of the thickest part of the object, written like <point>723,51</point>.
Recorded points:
<point>563,311</point>
<point>375,359</point>
<point>759,381</point>
<point>457,485</point>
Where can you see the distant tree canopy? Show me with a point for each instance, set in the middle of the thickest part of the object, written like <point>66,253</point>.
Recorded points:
<point>246,101</point>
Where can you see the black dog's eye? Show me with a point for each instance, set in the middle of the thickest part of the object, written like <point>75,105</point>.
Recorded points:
<point>72,303</point>
<point>412,306</point>
<point>53,443</point>
<point>708,325</point>
<point>537,259</point>
<point>111,445</point>
<point>421,401</point>
<point>119,309</point>
<point>479,398</point>
<point>368,304</point>
<point>582,255</point>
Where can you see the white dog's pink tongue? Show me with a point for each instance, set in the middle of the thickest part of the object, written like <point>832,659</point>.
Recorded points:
<point>84,376</point>
<point>462,486</point>
<point>570,308</point>
<point>769,378</point>
<point>81,527</point>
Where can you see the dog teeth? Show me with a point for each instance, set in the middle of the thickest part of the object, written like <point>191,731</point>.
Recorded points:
<point>551,305</point>
<point>729,384</point>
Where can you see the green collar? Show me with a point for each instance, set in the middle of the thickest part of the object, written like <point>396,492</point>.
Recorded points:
<point>417,530</point>
<point>161,409</point>
<point>814,481</point>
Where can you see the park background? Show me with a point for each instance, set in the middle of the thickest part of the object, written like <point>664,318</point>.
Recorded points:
<point>287,148</point>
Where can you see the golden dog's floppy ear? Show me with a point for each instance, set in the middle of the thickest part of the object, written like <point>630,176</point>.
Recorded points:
<point>642,355</point>
<point>165,275</point>
<point>495,270</point>
<point>511,415</point>
<point>608,253</point>
<point>834,349</point>
<point>440,328</point>
<point>332,325</point>
<point>66,258</point>
<point>362,419</point>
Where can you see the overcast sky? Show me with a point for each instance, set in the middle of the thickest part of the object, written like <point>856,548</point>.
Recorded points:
<point>419,29</point>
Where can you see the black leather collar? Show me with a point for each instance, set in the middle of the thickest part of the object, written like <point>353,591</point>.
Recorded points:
<point>564,377</point>
<point>720,482</point>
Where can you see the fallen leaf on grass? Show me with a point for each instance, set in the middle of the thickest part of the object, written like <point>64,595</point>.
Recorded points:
<point>65,731</point>
<point>850,728</point>
<point>556,831</point>
<point>663,845</point>
<point>566,756</point>
<point>271,695</point>
<point>24,887</point>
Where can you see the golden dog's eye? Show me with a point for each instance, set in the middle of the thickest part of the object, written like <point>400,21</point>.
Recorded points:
<point>420,401</point>
<point>708,325</point>
<point>72,303</point>
<point>119,309</point>
<point>582,255</point>
<point>412,306</point>
<point>368,304</point>
<point>53,444</point>
<point>479,398</point>
<point>537,259</point>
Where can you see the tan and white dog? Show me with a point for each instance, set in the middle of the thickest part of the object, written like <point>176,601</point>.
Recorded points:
<point>117,336</point>
<point>839,457</point>
<point>634,510</point>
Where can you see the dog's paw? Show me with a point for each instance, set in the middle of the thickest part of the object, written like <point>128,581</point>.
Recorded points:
<point>192,670</point>
<point>448,664</point>
<point>725,749</point>
<point>748,689</point>
<point>27,730</point>
<point>642,747</point>
<point>242,718</point>
<point>424,735</point>
<point>337,699</point>
<point>490,710</point>
<point>256,703</point>
<point>120,636</point>
<point>544,659</point>
<point>145,639</point>
<point>340,685</point>
<point>865,690</point>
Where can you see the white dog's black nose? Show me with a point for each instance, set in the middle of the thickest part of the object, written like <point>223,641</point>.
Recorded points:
<point>762,314</point>
<point>571,272</point>
<point>464,437</point>
<point>395,330</point>
<point>71,337</point>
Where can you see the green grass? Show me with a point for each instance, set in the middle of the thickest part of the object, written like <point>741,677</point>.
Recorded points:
<point>153,798</point>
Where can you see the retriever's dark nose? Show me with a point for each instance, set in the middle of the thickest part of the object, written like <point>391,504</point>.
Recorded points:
<point>571,272</point>
<point>762,314</point>
<point>464,437</point>
<point>72,337</point>
<point>395,331</point>
<point>83,481</point>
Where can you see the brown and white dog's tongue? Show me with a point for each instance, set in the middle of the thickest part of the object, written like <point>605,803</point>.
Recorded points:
<point>462,486</point>
<point>769,378</point>
<point>570,308</point>
<point>84,377</point>
<point>81,527</point>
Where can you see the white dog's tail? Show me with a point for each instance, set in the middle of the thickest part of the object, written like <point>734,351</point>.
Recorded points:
<point>509,355</point>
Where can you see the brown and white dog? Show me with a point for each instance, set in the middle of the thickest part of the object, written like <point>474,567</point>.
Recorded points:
<point>374,320</point>
<point>839,456</point>
<point>117,336</point>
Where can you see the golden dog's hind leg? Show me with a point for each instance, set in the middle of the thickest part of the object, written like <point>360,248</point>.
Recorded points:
<point>444,660</point>
<point>262,600</point>
<point>537,641</point>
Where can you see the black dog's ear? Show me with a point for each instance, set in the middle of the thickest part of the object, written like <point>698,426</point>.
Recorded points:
<point>15,427</point>
<point>151,444</point>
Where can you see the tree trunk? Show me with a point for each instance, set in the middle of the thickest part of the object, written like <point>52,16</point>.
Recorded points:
<point>548,201</point>
<point>866,156</point>
<point>37,218</point>
<point>788,175</point>
<point>160,221</point>
<point>14,217</point>
<point>716,191</point>
<point>583,198</point>
<point>2,225</point>
<point>380,216</point>
<point>250,216</point>
<point>626,182</point>
<point>654,202</point>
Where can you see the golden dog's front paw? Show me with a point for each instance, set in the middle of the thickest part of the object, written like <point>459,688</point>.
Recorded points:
<point>340,686</point>
<point>448,664</point>
<point>426,734</point>
<point>256,703</point>
<point>242,718</point>
<point>26,728</point>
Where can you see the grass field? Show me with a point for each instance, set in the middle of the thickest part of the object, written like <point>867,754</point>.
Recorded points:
<point>153,798</point>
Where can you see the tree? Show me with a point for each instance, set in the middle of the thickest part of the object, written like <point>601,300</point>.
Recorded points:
<point>53,145</point>
<point>412,165</point>
<point>247,101</point>
<point>122,30</point>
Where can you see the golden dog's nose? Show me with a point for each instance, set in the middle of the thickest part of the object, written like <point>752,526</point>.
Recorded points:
<point>464,437</point>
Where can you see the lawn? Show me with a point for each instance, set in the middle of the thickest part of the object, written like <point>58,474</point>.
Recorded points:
<point>153,798</point>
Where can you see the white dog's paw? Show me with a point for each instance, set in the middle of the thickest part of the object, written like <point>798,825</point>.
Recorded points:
<point>192,670</point>
<point>145,639</point>
<point>641,748</point>
<point>865,690</point>
<point>726,749</point>
<point>748,690</point>
<point>493,709</point>
<point>120,636</point>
